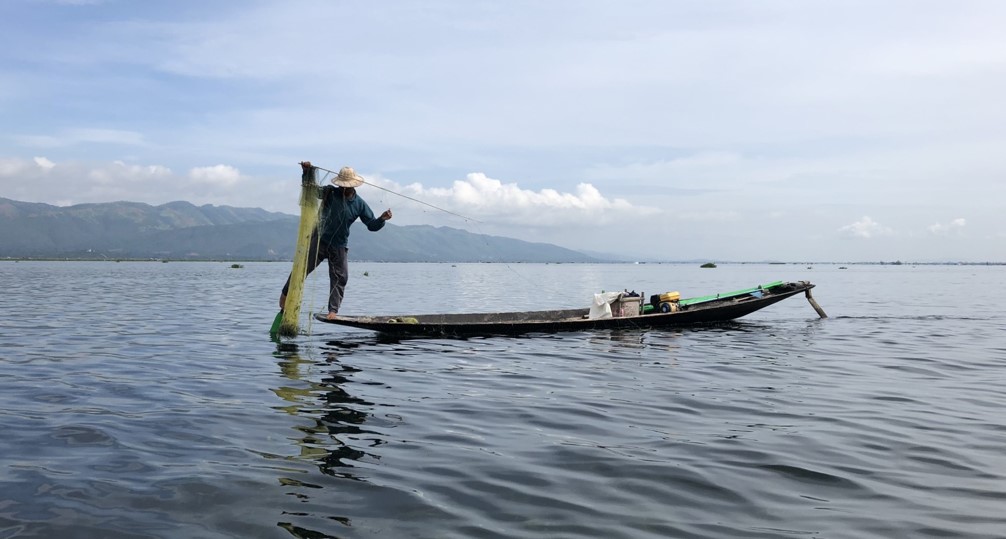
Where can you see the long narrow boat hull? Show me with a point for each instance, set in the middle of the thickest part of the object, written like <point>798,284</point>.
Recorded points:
<point>704,310</point>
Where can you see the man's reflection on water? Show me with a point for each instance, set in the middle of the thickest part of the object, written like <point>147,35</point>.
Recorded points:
<point>335,417</point>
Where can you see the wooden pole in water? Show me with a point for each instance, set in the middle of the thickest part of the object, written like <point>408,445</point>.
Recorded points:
<point>308,222</point>
<point>810,298</point>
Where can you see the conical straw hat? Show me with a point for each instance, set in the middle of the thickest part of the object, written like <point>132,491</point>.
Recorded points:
<point>347,178</point>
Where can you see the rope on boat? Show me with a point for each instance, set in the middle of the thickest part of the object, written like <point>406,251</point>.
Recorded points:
<point>407,197</point>
<point>465,217</point>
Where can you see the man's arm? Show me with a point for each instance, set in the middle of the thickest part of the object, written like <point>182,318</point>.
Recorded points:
<point>367,217</point>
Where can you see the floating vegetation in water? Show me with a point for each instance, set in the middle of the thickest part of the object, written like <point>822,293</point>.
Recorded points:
<point>366,274</point>
<point>708,265</point>
<point>236,266</point>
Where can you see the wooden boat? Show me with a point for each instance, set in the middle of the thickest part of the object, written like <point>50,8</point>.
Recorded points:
<point>700,310</point>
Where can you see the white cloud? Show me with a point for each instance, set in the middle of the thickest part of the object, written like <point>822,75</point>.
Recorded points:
<point>954,226</point>
<point>938,55</point>
<point>73,137</point>
<point>121,175</point>
<point>79,182</point>
<point>865,228</point>
<point>694,173</point>
<point>40,141</point>
<point>708,216</point>
<point>220,175</point>
<point>485,199</point>
<point>44,163</point>
<point>11,168</point>
<point>688,165</point>
<point>105,136</point>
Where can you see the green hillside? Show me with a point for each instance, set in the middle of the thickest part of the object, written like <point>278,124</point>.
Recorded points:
<point>183,231</point>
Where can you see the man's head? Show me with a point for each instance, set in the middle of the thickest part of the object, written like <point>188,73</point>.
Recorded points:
<point>348,193</point>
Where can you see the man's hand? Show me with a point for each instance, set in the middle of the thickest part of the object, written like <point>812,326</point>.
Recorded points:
<point>386,216</point>
<point>305,165</point>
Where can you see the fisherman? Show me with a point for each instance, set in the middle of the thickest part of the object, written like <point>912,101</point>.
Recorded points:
<point>340,206</point>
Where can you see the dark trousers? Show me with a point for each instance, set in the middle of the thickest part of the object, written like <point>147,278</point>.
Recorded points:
<point>338,270</point>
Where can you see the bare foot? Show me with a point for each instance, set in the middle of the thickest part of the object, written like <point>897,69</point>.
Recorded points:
<point>282,301</point>
<point>332,316</point>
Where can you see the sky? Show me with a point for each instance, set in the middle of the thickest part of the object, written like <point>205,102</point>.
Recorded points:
<point>834,130</point>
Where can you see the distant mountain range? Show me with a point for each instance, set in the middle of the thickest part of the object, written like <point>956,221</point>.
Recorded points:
<point>184,231</point>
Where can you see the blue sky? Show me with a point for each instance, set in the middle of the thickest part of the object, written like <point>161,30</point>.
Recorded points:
<point>731,130</point>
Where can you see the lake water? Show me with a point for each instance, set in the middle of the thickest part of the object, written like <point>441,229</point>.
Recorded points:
<point>147,400</point>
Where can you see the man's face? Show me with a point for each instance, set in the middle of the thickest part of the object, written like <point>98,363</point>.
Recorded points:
<point>348,192</point>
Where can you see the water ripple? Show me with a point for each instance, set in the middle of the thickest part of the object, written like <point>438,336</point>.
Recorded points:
<point>883,421</point>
